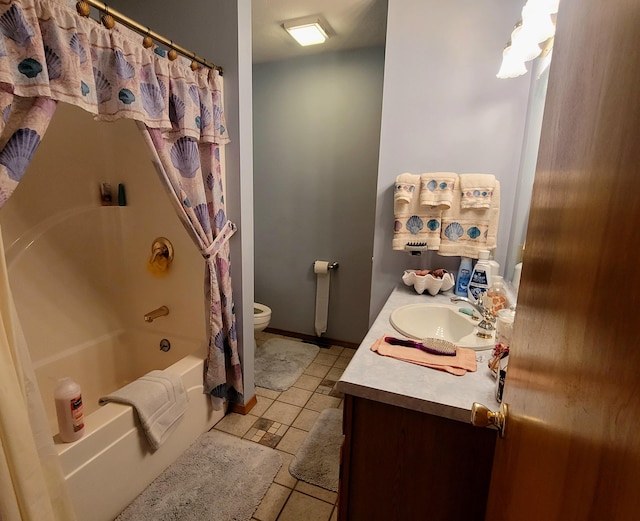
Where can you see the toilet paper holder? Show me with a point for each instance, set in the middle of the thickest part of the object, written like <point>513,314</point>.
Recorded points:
<point>332,266</point>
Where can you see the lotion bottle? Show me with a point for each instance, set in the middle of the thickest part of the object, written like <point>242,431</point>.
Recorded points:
<point>481,276</point>
<point>68,398</point>
<point>464,275</point>
<point>495,265</point>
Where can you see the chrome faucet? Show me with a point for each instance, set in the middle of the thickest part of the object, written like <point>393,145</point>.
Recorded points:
<point>486,326</point>
<point>160,312</point>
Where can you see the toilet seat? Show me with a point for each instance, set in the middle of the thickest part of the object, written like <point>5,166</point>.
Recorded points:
<point>258,309</point>
<point>261,316</point>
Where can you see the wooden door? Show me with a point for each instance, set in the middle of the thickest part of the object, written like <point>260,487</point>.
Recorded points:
<point>572,449</point>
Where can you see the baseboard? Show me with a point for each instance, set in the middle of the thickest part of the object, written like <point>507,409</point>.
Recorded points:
<point>311,339</point>
<point>244,408</point>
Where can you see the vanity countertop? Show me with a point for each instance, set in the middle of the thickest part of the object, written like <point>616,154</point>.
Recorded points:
<point>411,386</point>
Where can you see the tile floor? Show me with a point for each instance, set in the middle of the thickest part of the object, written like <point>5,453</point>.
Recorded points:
<point>281,420</point>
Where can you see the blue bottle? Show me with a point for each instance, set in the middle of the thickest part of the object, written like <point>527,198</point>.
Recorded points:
<point>464,276</point>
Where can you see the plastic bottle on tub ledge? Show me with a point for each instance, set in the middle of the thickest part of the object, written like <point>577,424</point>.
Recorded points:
<point>68,398</point>
<point>464,276</point>
<point>481,276</point>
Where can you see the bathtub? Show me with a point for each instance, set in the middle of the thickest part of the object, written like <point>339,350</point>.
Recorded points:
<point>112,463</point>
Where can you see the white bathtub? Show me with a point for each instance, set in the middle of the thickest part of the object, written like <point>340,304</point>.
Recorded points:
<point>107,468</point>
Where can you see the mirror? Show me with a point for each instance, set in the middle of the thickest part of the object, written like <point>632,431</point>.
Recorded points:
<point>529,157</point>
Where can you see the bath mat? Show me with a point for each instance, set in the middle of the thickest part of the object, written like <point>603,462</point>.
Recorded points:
<point>280,362</point>
<point>318,459</point>
<point>218,477</point>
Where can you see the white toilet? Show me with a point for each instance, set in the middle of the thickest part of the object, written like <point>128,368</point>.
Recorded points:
<point>261,317</point>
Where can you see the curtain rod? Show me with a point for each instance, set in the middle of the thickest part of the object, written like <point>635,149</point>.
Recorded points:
<point>132,24</point>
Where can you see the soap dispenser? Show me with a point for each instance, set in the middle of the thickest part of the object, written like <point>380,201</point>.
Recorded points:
<point>495,297</point>
<point>481,276</point>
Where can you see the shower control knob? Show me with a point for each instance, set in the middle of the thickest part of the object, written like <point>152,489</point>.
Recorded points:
<point>165,345</point>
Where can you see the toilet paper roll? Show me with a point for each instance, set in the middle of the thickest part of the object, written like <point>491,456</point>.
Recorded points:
<point>321,269</point>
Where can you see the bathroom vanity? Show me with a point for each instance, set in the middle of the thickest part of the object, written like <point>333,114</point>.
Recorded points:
<point>410,452</point>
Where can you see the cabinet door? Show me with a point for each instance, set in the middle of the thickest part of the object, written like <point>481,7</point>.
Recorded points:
<point>405,465</point>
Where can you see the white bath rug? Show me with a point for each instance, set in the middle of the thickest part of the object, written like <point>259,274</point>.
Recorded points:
<point>318,458</point>
<point>218,477</point>
<point>280,362</point>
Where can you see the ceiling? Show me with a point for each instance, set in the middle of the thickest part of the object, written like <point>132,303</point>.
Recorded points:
<point>354,24</point>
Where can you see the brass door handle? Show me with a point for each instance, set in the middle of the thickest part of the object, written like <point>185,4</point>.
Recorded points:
<point>481,416</point>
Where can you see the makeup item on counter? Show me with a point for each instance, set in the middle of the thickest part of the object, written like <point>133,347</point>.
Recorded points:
<point>68,398</point>
<point>122,197</point>
<point>464,276</point>
<point>481,276</point>
<point>435,346</point>
<point>501,376</point>
<point>106,198</point>
<point>517,272</point>
<point>504,334</point>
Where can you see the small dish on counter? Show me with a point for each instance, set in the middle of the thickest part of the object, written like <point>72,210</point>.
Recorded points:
<point>433,281</point>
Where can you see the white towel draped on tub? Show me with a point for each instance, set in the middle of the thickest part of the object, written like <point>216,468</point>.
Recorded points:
<point>160,400</point>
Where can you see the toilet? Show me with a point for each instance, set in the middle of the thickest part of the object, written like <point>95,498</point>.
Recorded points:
<point>261,317</point>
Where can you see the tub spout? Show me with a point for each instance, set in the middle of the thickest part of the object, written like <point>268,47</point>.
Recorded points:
<point>160,312</point>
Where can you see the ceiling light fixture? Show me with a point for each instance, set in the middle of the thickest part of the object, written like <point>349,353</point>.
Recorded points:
<point>531,38</point>
<point>310,30</point>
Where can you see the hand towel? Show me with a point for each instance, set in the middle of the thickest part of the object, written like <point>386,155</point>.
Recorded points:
<point>160,400</point>
<point>459,365</point>
<point>436,189</point>
<point>415,223</point>
<point>406,186</point>
<point>466,231</point>
<point>476,190</point>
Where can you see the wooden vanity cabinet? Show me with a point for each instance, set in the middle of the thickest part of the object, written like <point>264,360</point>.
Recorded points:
<point>400,464</point>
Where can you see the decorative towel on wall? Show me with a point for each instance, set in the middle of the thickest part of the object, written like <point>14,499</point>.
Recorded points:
<point>466,231</point>
<point>436,189</point>
<point>477,190</point>
<point>160,400</point>
<point>414,223</point>
<point>405,188</point>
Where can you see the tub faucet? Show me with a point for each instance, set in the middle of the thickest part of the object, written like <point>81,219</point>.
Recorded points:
<point>160,312</point>
<point>486,326</point>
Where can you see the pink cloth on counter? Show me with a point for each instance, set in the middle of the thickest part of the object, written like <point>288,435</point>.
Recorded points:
<point>463,361</point>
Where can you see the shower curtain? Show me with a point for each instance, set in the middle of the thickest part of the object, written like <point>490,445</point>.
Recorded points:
<point>49,54</point>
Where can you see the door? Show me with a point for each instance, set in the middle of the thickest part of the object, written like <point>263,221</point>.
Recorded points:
<point>572,445</point>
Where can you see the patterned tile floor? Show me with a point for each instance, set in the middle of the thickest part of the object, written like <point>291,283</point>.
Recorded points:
<point>281,420</point>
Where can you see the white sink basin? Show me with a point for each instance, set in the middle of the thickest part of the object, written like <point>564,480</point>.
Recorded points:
<point>439,321</point>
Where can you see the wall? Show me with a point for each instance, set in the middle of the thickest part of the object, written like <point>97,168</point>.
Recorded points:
<point>316,139</point>
<point>220,31</point>
<point>78,269</point>
<point>444,109</point>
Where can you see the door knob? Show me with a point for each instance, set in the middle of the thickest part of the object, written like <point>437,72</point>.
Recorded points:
<point>481,416</point>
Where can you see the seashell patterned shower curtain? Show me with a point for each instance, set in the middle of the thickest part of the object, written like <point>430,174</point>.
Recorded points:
<point>50,54</point>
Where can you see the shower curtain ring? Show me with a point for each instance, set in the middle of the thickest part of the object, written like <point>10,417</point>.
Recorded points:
<point>147,41</point>
<point>194,63</point>
<point>83,8</point>
<point>108,20</point>
<point>173,54</point>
